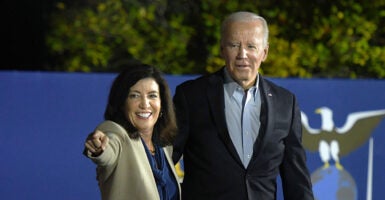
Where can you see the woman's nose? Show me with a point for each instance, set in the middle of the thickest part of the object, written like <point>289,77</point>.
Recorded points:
<point>144,103</point>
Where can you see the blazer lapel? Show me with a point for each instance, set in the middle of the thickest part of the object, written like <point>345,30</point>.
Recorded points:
<point>215,96</point>
<point>168,153</point>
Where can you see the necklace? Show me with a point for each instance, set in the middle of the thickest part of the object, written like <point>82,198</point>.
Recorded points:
<point>152,151</point>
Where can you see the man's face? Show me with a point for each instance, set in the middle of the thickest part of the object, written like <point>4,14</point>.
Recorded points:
<point>243,51</point>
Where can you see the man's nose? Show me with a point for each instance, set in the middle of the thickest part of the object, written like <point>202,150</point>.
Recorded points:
<point>241,52</point>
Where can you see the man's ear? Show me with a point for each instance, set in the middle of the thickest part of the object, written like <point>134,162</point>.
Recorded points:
<point>265,53</point>
<point>221,51</point>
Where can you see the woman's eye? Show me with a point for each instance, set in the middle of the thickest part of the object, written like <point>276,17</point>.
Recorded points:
<point>133,96</point>
<point>153,96</point>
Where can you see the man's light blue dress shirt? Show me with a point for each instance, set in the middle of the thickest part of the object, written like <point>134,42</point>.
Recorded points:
<point>242,110</point>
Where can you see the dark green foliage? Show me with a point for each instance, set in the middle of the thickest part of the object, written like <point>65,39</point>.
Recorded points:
<point>307,38</point>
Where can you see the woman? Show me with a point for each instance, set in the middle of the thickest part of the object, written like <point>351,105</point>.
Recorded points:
<point>132,148</point>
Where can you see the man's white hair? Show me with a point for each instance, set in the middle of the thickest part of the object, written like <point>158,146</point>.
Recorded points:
<point>244,16</point>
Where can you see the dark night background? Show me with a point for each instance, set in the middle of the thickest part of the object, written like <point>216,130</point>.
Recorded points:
<point>24,24</point>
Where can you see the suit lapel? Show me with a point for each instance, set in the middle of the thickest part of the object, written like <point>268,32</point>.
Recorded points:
<point>267,114</point>
<point>215,96</point>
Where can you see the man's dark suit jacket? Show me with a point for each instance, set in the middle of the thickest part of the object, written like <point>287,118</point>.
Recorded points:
<point>213,169</point>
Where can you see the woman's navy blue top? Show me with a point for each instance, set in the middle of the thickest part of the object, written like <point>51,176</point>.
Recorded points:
<point>164,178</point>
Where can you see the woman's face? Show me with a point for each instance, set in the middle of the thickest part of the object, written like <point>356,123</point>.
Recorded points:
<point>143,105</point>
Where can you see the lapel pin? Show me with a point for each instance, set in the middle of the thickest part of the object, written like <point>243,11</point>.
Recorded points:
<point>270,95</point>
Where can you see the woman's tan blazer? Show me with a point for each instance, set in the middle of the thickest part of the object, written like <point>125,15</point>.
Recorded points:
<point>123,170</point>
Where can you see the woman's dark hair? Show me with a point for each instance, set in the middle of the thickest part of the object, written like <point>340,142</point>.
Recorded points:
<point>165,128</point>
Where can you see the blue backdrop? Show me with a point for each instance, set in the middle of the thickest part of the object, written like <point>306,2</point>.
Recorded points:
<point>45,117</point>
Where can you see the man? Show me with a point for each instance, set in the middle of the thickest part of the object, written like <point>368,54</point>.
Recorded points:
<point>238,131</point>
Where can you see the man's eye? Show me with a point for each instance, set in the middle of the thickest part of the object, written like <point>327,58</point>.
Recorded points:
<point>233,45</point>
